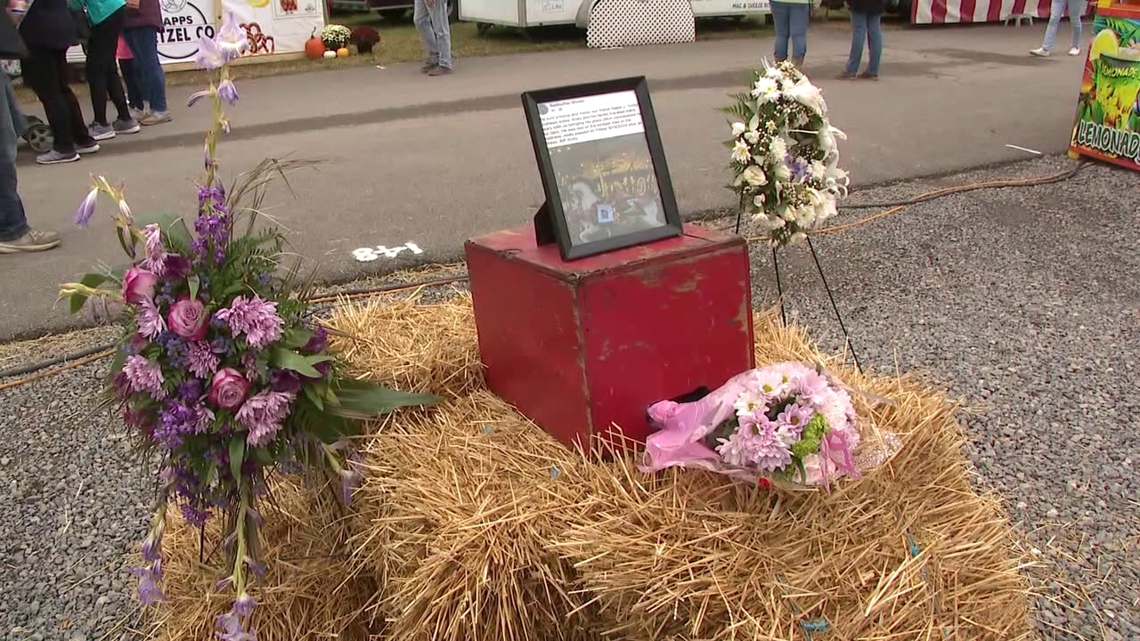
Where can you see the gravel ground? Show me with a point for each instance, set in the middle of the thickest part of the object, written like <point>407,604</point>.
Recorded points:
<point>1024,301</point>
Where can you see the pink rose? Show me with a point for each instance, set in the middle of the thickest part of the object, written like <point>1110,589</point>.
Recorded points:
<point>138,285</point>
<point>228,389</point>
<point>188,318</point>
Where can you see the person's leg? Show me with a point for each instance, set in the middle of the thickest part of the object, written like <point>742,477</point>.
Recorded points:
<point>84,142</point>
<point>780,17</point>
<point>874,44</point>
<point>798,28</point>
<point>858,35</point>
<point>1056,10</point>
<point>130,75</point>
<point>13,222</point>
<point>1076,9</point>
<point>101,74</point>
<point>421,16</point>
<point>42,75</point>
<point>442,28</point>
<point>143,42</point>
<point>15,235</point>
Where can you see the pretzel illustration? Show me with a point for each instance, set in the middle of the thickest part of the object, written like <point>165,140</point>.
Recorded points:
<point>258,41</point>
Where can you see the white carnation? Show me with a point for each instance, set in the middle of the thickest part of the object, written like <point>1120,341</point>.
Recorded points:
<point>752,137</point>
<point>740,152</point>
<point>818,170</point>
<point>738,129</point>
<point>777,150</point>
<point>765,90</point>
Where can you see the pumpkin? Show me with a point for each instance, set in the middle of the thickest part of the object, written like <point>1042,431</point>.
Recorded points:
<point>342,52</point>
<point>330,54</point>
<point>314,48</point>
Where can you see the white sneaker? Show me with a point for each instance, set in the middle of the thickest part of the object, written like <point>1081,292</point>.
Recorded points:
<point>1041,52</point>
<point>1075,51</point>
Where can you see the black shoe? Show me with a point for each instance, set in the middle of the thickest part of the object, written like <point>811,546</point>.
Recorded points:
<point>868,76</point>
<point>428,66</point>
<point>439,71</point>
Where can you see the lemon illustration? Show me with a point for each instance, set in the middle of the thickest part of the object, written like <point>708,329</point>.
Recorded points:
<point>1104,42</point>
<point>257,3</point>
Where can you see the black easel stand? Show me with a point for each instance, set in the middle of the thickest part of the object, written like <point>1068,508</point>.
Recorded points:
<point>830,297</point>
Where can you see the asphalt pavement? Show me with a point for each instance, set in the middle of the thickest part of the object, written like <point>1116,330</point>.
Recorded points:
<point>433,161</point>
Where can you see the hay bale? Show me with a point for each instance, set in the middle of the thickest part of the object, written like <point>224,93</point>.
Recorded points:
<point>480,527</point>
<point>309,590</point>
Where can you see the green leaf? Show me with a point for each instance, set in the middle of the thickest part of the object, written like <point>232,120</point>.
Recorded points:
<point>297,338</point>
<point>194,284</point>
<point>88,280</point>
<point>172,226</point>
<point>262,456</point>
<point>314,396</point>
<point>363,400</point>
<point>237,456</point>
<point>290,360</point>
<point>1097,113</point>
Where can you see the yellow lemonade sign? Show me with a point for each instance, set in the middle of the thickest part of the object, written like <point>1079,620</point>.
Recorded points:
<point>1108,112</point>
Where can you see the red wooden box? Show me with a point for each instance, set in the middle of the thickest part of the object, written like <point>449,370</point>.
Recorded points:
<point>584,345</point>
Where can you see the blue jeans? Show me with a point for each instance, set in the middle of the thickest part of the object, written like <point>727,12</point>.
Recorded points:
<point>13,222</point>
<point>865,26</point>
<point>1076,8</point>
<point>791,21</point>
<point>143,43</point>
<point>435,31</point>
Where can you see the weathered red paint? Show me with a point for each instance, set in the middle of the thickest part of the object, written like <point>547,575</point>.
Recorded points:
<point>582,346</point>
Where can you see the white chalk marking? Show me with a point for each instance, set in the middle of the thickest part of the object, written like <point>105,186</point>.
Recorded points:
<point>369,254</point>
<point>1025,149</point>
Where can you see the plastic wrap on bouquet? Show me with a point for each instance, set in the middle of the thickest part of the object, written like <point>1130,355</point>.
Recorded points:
<point>787,422</point>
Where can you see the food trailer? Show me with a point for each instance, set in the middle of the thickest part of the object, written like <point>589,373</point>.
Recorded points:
<point>540,13</point>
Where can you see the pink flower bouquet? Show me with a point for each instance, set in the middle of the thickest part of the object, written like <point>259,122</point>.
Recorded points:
<point>219,374</point>
<point>787,422</point>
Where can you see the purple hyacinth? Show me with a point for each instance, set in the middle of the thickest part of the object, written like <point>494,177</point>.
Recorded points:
<point>194,516</point>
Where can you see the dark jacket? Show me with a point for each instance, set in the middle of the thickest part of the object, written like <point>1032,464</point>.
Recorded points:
<point>147,15</point>
<point>860,6</point>
<point>11,44</point>
<point>49,25</point>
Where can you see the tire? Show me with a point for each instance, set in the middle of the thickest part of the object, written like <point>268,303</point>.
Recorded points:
<point>482,28</point>
<point>39,137</point>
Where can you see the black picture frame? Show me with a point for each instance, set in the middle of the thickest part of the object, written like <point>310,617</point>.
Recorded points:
<point>551,223</point>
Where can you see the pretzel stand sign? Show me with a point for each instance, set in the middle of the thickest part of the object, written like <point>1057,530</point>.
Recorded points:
<point>272,26</point>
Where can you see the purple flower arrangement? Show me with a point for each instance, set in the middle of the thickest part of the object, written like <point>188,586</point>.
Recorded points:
<point>217,371</point>
<point>788,422</point>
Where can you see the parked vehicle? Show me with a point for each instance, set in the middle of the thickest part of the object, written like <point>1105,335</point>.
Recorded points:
<point>384,7</point>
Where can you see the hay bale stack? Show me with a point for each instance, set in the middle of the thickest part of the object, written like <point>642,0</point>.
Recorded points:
<point>455,517</point>
<point>482,528</point>
<point>309,591</point>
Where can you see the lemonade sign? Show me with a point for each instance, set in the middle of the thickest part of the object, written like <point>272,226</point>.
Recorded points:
<point>1108,112</point>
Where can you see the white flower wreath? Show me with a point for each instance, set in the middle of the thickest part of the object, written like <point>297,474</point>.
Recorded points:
<point>784,154</point>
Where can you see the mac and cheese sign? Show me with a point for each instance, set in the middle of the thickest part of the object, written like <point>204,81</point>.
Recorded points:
<point>1108,109</point>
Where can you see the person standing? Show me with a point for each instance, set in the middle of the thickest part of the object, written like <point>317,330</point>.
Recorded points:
<point>130,78</point>
<point>1056,11</point>
<point>144,23</point>
<point>49,31</point>
<point>791,18</point>
<point>432,22</point>
<point>106,18</point>
<point>866,17</point>
<point>15,235</point>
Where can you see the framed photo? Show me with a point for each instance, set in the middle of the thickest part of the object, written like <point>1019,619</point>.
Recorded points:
<point>603,168</point>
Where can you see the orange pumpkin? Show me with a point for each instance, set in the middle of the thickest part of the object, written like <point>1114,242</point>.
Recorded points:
<point>314,47</point>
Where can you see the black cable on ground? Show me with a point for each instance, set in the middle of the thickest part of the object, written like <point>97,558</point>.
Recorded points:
<point>348,293</point>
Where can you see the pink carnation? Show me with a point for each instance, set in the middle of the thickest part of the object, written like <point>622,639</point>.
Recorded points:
<point>262,414</point>
<point>144,376</point>
<point>254,318</point>
<point>201,359</point>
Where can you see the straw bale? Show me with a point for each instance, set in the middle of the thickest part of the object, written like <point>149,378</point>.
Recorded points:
<point>309,590</point>
<point>481,527</point>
